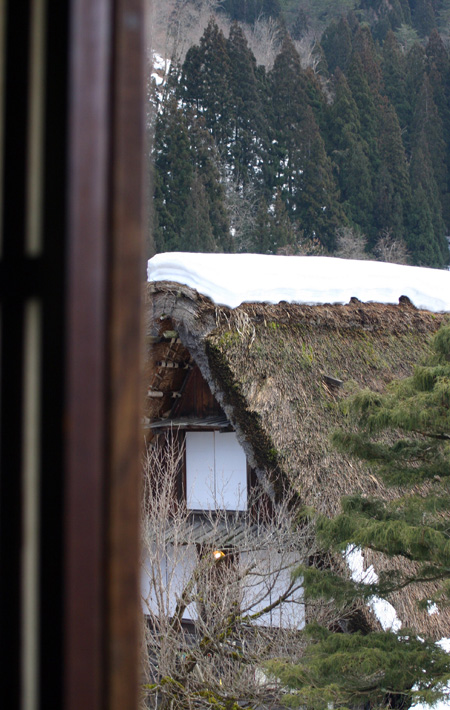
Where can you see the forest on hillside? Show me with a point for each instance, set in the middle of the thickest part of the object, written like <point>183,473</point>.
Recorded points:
<point>338,143</point>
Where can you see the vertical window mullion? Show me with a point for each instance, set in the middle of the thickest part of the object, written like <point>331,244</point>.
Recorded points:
<point>31,503</point>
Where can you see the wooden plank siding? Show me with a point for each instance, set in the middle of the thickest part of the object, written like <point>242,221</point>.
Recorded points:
<point>197,399</point>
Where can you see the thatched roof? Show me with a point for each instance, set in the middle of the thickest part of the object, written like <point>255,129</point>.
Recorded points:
<point>279,372</point>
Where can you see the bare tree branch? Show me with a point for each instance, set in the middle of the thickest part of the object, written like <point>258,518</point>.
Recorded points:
<point>211,624</point>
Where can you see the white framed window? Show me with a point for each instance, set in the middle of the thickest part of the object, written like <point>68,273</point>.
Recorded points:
<point>216,471</point>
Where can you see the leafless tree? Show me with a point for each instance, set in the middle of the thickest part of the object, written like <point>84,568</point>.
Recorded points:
<point>350,244</point>
<point>264,39</point>
<point>306,49</point>
<point>178,24</point>
<point>304,246</point>
<point>230,574</point>
<point>242,207</point>
<point>391,249</point>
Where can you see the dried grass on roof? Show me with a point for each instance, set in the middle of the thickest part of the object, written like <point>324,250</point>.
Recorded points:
<point>271,367</point>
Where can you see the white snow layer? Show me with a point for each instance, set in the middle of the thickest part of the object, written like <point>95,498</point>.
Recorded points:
<point>232,279</point>
<point>385,612</point>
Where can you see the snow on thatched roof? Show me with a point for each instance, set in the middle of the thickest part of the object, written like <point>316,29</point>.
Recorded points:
<point>232,279</point>
<point>279,372</point>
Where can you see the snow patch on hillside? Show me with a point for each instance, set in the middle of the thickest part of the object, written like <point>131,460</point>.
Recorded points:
<point>160,68</point>
<point>232,279</point>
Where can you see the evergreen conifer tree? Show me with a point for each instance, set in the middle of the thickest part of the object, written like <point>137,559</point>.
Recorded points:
<point>421,238</point>
<point>394,78</point>
<point>427,122</point>
<point>206,162</point>
<point>393,192</point>
<point>196,232</point>
<point>320,213</point>
<point>248,138</point>
<point>206,83</point>
<point>282,230</point>
<point>437,60</point>
<point>262,242</point>
<point>391,16</point>
<point>189,201</point>
<point>336,43</point>
<point>349,155</point>
<point>367,108</point>
<point>300,25</point>
<point>438,71</point>
<point>405,434</point>
<point>414,76</point>
<point>423,17</point>
<point>364,47</point>
<point>173,176</point>
<point>375,670</point>
<point>251,10</point>
<point>415,412</point>
<point>287,83</point>
<point>406,9</point>
<point>415,70</point>
<point>428,247</point>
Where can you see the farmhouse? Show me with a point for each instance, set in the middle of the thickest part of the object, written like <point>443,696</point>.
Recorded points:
<point>254,391</point>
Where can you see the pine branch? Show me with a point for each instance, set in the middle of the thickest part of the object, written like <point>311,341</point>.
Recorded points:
<point>430,435</point>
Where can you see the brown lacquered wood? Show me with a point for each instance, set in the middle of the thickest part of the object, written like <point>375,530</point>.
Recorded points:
<point>104,348</point>
<point>124,437</point>
<point>89,131</point>
<point>70,284</point>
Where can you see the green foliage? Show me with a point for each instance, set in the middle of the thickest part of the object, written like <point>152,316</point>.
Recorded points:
<point>393,189</point>
<point>350,156</point>
<point>319,209</point>
<point>337,44</point>
<point>350,670</point>
<point>406,36</point>
<point>189,201</point>
<point>247,116</point>
<point>423,17</point>
<point>326,585</point>
<point>394,78</point>
<point>405,434</point>
<point>174,174</point>
<point>362,140</point>
<point>250,10</point>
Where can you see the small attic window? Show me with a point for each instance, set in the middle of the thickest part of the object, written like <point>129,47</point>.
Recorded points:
<point>216,471</point>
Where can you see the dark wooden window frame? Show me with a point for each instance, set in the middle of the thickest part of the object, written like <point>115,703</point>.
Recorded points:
<point>72,228</point>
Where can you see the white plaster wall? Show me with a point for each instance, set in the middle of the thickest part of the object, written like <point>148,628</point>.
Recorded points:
<point>164,576</point>
<point>268,579</point>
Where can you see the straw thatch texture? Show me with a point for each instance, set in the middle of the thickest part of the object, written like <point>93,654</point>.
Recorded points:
<point>277,372</point>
